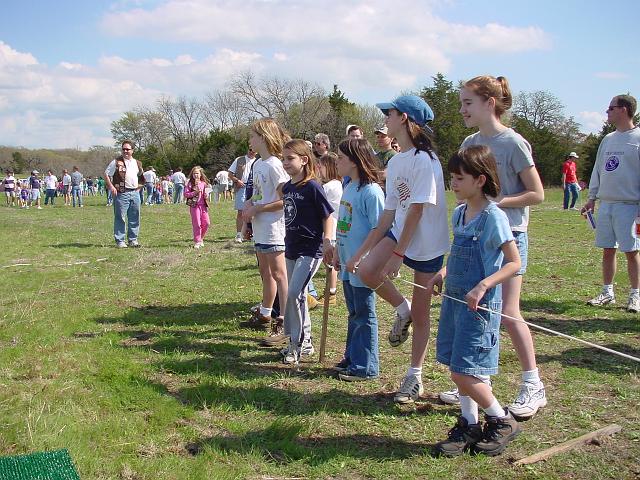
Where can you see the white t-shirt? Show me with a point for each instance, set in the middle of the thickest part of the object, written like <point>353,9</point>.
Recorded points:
<point>50,182</point>
<point>247,168</point>
<point>131,175</point>
<point>333,192</point>
<point>149,176</point>
<point>268,227</point>
<point>418,178</point>
<point>66,179</point>
<point>222,177</point>
<point>178,178</point>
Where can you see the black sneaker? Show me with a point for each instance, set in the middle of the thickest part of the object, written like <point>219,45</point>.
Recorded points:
<point>341,366</point>
<point>497,434</point>
<point>461,437</point>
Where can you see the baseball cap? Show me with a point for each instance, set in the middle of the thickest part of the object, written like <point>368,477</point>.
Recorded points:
<point>416,108</point>
<point>35,172</point>
<point>574,155</point>
<point>382,129</point>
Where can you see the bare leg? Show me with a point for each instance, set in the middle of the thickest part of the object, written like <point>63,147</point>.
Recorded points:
<point>420,309</point>
<point>475,388</point>
<point>633,267</point>
<point>269,286</point>
<point>370,268</point>
<point>278,272</point>
<point>518,331</point>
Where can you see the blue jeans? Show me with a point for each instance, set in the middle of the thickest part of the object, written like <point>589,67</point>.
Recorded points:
<point>126,204</point>
<point>570,188</point>
<point>177,192</point>
<point>76,191</point>
<point>50,194</point>
<point>149,188</point>
<point>362,331</point>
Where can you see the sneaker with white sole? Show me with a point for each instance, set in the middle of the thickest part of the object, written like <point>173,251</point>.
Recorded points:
<point>291,357</point>
<point>410,390</point>
<point>400,330</point>
<point>121,245</point>
<point>530,399</point>
<point>307,349</point>
<point>633,305</point>
<point>450,397</point>
<point>602,299</point>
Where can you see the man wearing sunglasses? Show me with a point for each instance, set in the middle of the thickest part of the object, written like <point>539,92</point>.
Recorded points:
<point>615,181</point>
<point>124,177</point>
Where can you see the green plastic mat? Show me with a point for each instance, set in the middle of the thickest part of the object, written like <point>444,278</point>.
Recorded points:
<point>56,465</point>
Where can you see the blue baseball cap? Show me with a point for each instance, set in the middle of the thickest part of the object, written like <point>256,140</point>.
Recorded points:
<point>416,108</point>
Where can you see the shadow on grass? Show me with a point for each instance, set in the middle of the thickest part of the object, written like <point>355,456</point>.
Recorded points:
<point>80,245</point>
<point>183,315</point>
<point>284,442</point>
<point>595,359</point>
<point>548,306</point>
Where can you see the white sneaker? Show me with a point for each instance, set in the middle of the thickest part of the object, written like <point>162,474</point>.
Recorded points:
<point>197,246</point>
<point>530,399</point>
<point>307,349</point>
<point>39,207</point>
<point>291,357</point>
<point>410,389</point>
<point>450,397</point>
<point>602,299</point>
<point>633,305</point>
<point>400,330</point>
<point>238,239</point>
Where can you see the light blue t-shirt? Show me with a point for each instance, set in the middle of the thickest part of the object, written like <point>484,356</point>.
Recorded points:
<point>496,232</point>
<point>357,216</point>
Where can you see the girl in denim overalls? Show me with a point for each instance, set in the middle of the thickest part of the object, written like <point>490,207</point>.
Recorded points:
<point>483,255</point>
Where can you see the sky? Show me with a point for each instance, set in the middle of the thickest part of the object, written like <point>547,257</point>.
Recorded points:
<point>70,68</point>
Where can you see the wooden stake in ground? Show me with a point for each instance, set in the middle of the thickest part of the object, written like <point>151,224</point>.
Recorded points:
<point>325,316</point>
<point>569,445</point>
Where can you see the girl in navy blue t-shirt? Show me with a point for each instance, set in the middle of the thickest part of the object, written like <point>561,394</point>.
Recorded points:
<point>307,216</point>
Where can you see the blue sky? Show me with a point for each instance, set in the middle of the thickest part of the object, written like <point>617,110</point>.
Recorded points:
<point>69,68</point>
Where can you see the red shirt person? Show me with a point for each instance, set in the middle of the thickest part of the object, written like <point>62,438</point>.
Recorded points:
<point>570,181</point>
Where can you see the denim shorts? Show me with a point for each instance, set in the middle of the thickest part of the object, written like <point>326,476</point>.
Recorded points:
<point>267,248</point>
<point>423,266</point>
<point>522,242</point>
<point>468,342</point>
<point>35,194</point>
<point>615,224</point>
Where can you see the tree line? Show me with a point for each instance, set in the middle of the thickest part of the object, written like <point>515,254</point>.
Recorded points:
<point>212,130</point>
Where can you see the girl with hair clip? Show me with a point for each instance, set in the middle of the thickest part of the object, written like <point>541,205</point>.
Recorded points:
<point>412,230</point>
<point>360,208</point>
<point>309,224</point>
<point>264,211</point>
<point>483,101</point>
<point>483,255</point>
<point>197,199</point>
<point>332,185</point>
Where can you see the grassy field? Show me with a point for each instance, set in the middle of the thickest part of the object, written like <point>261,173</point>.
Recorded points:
<point>136,363</point>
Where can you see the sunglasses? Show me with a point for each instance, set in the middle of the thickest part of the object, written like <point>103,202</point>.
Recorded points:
<point>127,149</point>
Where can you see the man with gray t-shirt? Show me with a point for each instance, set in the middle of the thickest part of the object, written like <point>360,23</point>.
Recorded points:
<point>615,180</point>
<point>76,186</point>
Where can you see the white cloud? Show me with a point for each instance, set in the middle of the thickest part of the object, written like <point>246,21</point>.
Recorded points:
<point>363,46</point>
<point>592,121</point>
<point>611,75</point>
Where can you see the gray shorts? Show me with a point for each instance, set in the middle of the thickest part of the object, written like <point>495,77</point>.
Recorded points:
<point>615,226</point>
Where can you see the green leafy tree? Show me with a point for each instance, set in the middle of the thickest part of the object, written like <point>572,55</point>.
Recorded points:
<point>19,162</point>
<point>448,127</point>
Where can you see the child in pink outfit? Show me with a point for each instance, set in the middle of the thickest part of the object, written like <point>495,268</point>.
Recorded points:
<point>196,196</point>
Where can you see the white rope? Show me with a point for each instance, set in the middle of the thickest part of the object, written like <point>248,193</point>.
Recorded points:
<point>82,262</point>
<point>544,329</point>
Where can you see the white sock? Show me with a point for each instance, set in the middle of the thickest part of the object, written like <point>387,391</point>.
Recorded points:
<point>404,308</point>
<point>333,291</point>
<point>265,311</point>
<point>531,376</point>
<point>608,289</point>
<point>417,371</point>
<point>469,408</point>
<point>634,291</point>
<point>495,409</point>
<point>486,379</point>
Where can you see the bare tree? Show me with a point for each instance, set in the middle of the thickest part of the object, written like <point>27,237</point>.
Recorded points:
<point>223,110</point>
<point>185,119</point>
<point>541,109</point>
<point>155,128</point>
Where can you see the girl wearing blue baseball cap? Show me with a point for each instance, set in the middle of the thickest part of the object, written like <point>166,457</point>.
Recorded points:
<point>484,100</point>
<point>413,230</point>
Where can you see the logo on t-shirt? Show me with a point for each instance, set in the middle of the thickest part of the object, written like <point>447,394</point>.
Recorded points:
<point>346,217</point>
<point>612,163</point>
<point>290,210</point>
<point>403,189</point>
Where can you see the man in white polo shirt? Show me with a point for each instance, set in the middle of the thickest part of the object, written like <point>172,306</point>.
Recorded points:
<point>124,180</point>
